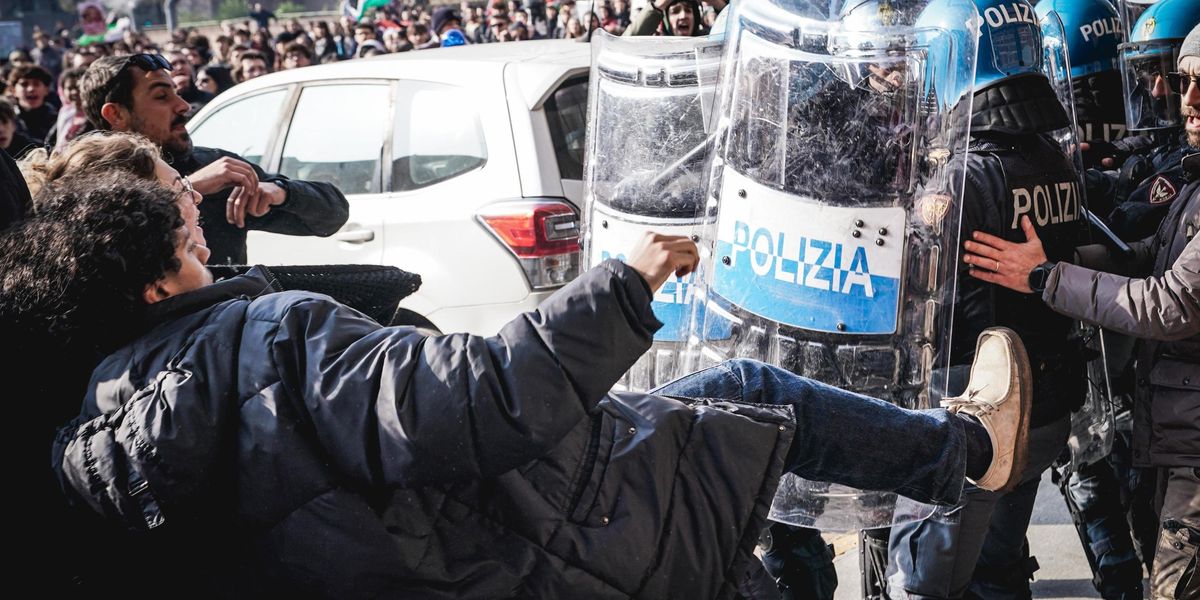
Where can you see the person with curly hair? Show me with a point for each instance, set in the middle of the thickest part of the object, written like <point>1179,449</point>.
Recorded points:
<point>103,151</point>
<point>71,284</point>
<point>283,443</point>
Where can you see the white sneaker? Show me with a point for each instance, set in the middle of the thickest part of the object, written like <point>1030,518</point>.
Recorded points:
<point>1000,394</point>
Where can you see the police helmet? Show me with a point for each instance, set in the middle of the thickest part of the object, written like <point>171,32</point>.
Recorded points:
<point>1093,33</point>
<point>1010,42</point>
<point>1151,52</point>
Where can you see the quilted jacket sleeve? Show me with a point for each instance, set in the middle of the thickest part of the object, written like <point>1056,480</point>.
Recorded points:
<point>392,407</point>
<point>387,405</point>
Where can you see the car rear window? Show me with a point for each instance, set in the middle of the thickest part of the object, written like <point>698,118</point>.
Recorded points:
<point>566,110</point>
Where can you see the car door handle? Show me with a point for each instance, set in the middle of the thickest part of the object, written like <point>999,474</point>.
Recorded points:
<point>355,236</point>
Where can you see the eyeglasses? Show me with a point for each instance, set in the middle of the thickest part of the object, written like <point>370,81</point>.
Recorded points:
<point>145,62</point>
<point>1180,83</point>
<point>190,191</point>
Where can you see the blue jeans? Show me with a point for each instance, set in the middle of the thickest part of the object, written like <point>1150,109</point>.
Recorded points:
<point>980,550</point>
<point>843,437</point>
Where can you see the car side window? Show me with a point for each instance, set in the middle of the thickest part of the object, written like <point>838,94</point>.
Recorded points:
<point>566,112</point>
<point>336,136</point>
<point>243,127</point>
<point>437,135</point>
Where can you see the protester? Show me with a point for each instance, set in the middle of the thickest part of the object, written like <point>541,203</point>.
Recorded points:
<point>668,17</point>
<point>92,23</point>
<point>251,64</point>
<point>71,119</point>
<point>444,19</point>
<point>364,32</point>
<point>182,77</point>
<point>88,159</point>
<point>45,55</point>
<point>135,94</point>
<point>419,37</point>
<point>13,140</point>
<point>261,16</point>
<point>394,40</point>
<point>30,85</point>
<point>321,410</point>
<point>324,44</point>
<point>214,79</point>
<point>296,55</point>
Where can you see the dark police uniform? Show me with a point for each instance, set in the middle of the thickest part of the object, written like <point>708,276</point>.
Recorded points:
<point>1135,196</point>
<point>1008,177</point>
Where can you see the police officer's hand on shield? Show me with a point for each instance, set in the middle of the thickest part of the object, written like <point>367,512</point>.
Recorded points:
<point>657,256</point>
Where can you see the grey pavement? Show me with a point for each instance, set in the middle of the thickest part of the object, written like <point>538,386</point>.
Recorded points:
<point>1052,539</point>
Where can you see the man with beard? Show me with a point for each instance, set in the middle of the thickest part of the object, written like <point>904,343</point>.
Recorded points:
<point>1160,305</point>
<point>135,93</point>
<point>668,17</point>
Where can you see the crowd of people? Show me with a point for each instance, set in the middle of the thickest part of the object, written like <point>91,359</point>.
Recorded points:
<point>230,438</point>
<point>38,85</point>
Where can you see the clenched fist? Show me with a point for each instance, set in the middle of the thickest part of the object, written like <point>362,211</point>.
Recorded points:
<point>657,256</point>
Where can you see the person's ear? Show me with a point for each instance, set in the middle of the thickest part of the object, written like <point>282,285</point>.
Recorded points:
<point>118,116</point>
<point>155,292</point>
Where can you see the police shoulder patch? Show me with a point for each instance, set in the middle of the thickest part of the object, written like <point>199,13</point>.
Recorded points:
<point>1162,190</point>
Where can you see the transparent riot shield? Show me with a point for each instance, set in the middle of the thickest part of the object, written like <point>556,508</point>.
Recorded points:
<point>1092,425</point>
<point>648,145</point>
<point>1130,11</point>
<point>833,219</point>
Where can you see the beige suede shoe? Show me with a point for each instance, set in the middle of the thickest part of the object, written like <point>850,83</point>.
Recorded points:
<point>1000,394</point>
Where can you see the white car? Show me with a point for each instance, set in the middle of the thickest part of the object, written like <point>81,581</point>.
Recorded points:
<point>463,165</point>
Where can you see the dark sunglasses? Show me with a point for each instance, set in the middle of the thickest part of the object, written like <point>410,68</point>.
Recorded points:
<point>1181,82</point>
<point>145,62</point>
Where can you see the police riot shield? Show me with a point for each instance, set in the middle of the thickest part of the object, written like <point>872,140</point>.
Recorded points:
<point>648,144</point>
<point>1131,11</point>
<point>1092,425</point>
<point>834,204</point>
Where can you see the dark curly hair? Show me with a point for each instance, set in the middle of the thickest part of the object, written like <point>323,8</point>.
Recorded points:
<point>76,274</point>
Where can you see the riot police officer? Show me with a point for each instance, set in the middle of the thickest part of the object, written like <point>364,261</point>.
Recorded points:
<point>1092,490</point>
<point>1015,170</point>
<point>1093,32</point>
<point>1149,176</point>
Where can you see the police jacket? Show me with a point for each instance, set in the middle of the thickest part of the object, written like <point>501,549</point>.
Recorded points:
<point>307,446</point>
<point>1135,197</point>
<point>311,208</point>
<point>1008,177</point>
<point>1163,309</point>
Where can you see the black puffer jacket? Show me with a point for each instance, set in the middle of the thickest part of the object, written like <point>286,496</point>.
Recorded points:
<point>355,461</point>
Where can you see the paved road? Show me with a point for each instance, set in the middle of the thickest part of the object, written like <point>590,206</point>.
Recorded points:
<point>1064,574</point>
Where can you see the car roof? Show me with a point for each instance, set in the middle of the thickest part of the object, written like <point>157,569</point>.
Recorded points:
<point>539,66</point>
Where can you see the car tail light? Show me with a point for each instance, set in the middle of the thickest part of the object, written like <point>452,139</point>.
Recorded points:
<point>542,234</point>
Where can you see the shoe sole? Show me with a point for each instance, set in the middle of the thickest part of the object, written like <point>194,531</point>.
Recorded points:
<point>1025,380</point>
